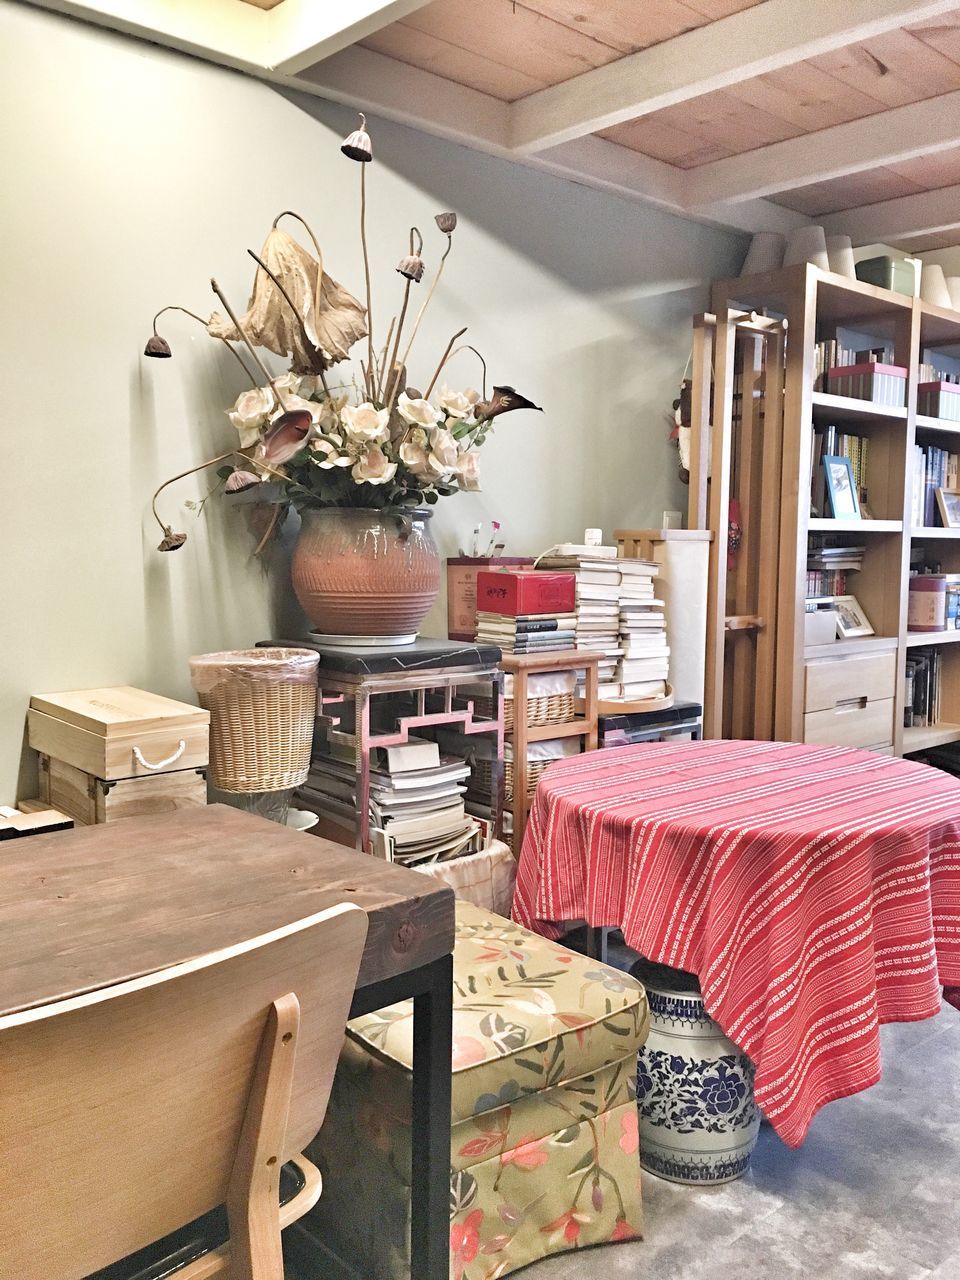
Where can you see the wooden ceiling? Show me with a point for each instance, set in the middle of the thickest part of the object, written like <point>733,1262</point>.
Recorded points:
<point>752,114</point>
<point>510,49</point>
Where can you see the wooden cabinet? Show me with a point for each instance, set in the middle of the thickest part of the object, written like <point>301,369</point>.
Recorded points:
<point>849,702</point>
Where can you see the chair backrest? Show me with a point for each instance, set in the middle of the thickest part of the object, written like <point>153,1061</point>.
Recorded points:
<point>121,1110</point>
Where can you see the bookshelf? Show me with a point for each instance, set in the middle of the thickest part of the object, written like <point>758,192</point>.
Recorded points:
<point>851,692</point>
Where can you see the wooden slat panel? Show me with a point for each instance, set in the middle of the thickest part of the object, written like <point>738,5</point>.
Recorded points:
<point>942,34</point>
<point>655,137</point>
<point>939,169</point>
<point>716,9</point>
<point>848,192</point>
<point>807,97</point>
<point>429,53</point>
<point>625,24</point>
<point>727,121</point>
<point>895,68</point>
<point>514,37</point>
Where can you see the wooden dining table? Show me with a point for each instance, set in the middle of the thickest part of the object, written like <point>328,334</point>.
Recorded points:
<point>85,909</point>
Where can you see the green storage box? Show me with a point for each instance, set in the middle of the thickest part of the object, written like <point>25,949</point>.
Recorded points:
<point>898,274</point>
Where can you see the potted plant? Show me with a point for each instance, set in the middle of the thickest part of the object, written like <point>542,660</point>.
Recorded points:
<point>363,459</point>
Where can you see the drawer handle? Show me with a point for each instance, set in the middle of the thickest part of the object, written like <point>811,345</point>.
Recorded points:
<point>160,764</point>
<point>851,704</point>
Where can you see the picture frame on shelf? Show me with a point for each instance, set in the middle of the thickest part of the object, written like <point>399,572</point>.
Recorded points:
<point>841,488</point>
<point>948,504</point>
<point>851,619</point>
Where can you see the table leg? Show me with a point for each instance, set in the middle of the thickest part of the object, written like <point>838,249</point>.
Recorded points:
<point>597,944</point>
<point>430,1180</point>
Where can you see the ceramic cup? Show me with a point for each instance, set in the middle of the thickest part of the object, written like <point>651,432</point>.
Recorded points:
<point>302,819</point>
<point>840,254</point>
<point>933,285</point>
<point>953,288</point>
<point>765,253</point>
<point>807,244</point>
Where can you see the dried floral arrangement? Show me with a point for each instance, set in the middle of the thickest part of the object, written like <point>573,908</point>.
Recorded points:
<point>372,442</point>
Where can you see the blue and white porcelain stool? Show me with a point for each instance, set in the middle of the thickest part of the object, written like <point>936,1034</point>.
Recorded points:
<point>698,1119</point>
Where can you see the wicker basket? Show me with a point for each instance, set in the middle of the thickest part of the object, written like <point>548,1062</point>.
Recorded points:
<point>552,708</point>
<point>262,704</point>
<point>535,771</point>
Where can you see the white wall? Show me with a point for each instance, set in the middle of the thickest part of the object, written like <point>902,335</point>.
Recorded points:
<point>131,175</point>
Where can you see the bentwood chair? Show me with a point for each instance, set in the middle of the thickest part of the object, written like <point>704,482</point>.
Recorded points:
<point>130,1112</point>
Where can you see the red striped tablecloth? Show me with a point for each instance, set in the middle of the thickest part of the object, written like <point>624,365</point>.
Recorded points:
<point>815,892</point>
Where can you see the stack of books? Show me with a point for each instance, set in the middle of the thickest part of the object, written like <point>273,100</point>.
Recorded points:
<point>527,632</point>
<point>596,571</point>
<point>829,564</point>
<point>829,441</point>
<point>644,665</point>
<point>526,612</point>
<point>417,811</point>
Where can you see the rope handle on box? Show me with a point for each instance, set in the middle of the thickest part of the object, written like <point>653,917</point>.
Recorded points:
<point>159,764</point>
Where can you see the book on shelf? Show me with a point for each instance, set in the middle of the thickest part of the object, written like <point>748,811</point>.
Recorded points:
<point>640,690</point>
<point>578,550</point>
<point>922,681</point>
<point>933,468</point>
<point>831,442</point>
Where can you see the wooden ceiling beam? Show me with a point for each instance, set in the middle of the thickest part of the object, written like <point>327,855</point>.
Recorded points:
<point>303,32</point>
<point>372,81</point>
<point>902,133</point>
<point>900,219</point>
<point>750,43</point>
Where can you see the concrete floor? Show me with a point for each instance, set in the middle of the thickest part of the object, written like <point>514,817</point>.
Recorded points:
<point>873,1192</point>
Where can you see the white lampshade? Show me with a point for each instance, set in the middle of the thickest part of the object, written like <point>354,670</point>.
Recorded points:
<point>840,254</point>
<point>807,244</point>
<point>765,253</point>
<point>933,285</point>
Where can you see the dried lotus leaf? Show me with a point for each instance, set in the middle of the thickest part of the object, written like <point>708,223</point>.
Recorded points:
<point>332,319</point>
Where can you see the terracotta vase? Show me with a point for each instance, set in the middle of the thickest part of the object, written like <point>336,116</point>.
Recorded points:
<point>358,572</point>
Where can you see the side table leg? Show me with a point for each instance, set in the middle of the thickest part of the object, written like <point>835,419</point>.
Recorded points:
<point>597,944</point>
<point>430,1180</point>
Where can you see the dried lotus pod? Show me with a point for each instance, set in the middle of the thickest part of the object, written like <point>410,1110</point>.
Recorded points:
<point>411,267</point>
<point>157,347</point>
<point>171,541</point>
<point>447,222</point>
<point>358,145</point>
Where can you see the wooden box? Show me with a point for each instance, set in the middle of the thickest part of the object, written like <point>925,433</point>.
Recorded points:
<point>120,732</point>
<point>89,799</point>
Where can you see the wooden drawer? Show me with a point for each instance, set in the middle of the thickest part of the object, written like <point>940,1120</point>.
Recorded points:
<point>89,800</point>
<point>851,723</point>
<point>834,682</point>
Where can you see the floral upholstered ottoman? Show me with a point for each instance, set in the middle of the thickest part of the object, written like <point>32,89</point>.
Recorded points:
<point>544,1152</point>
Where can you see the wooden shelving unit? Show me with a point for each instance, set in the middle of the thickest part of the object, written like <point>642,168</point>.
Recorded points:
<point>583,724</point>
<point>852,691</point>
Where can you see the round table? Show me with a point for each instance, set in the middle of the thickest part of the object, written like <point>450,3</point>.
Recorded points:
<point>814,891</point>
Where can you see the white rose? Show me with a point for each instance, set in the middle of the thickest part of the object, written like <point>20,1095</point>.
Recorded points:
<point>444,448</point>
<point>420,413</point>
<point>373,466</point>
<point>458,404</point>
<point>365,421</point>
<point>326,455</point>
<point>414,457</point>
<point>468,470</point>
<point>288,384</point>
<point>250,413</point>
